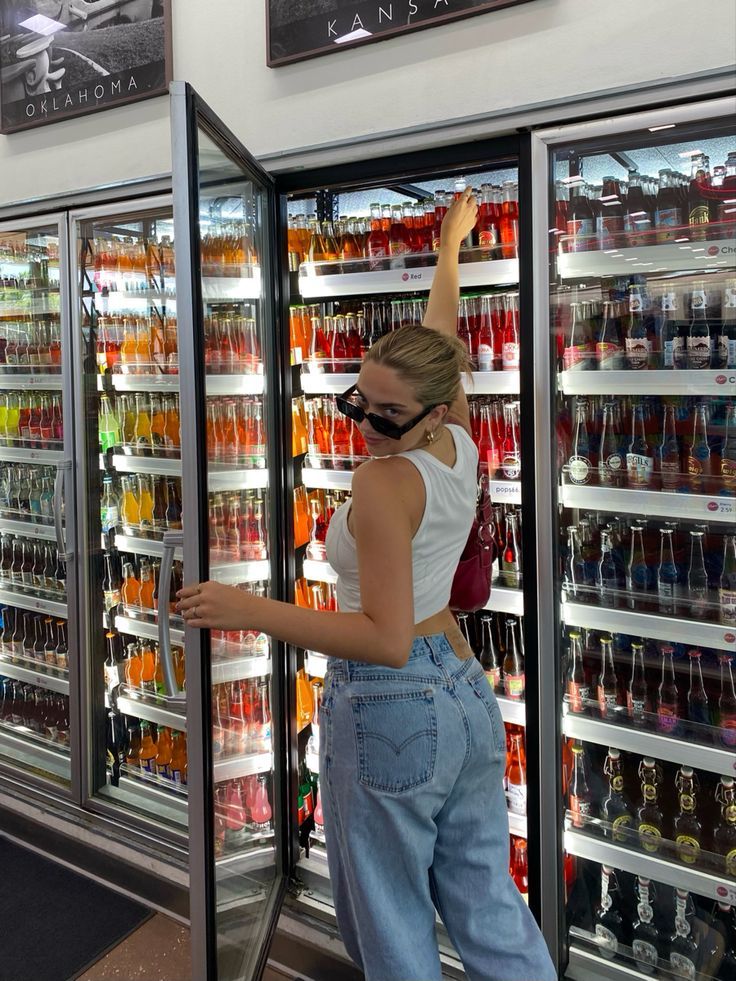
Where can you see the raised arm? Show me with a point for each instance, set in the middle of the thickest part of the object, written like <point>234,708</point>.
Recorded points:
<point>445,293</point>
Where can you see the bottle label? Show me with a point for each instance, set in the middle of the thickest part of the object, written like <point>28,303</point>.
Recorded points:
<point>638,350</point>
<point>682,966</point>
<point>608,356</point>
<point>485,357</point>
<point>511,466</point>
<point>650,837</point>
<point>487,237</point>
<point>669,354</point>
<point>699,215</point>
<point>513,685</point>
<point>669,217</point>
<point>579,469</point>
<point>609,467</point>
<point>110,516</point>
<point>580,811</point>
<point>640,469</point>
<point>148,764</point>
<point>516,795</point>
<point>728,731</point>
<point>610,228</point>
<point>494,677</point>
<point>112,675</point>
<point>698,352</point>
<point>688,850</point>
<point>581,232</point>
<point>606,940</point>
<point>731,862</point>
<point>636,707</point>
<point>607,703</point>
<point>617,784</point>
<point>620,825</point>
<point>578,695</point>
<point>645,953</point>
<point>667,719</point>
<point>576,357</point>
<point>731,352</point>
<point>727,600</point>
<point>510,355</point>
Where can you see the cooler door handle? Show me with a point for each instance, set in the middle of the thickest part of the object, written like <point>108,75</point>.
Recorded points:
<point>59,486</point>
<point>172,541</point>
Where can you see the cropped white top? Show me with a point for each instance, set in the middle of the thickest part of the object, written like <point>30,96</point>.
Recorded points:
<point>439,540</point>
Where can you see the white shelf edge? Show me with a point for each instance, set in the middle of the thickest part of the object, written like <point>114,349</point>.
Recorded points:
<point>239,669</point>
<point>647,743</point>
<point>35,604</point>
<point>505,491</point>
<point>32,676</point>
<point>495,272</point>
<point>503,599</point>
<point>512,711</point>
<point>315,477</point>
<point>28,529</point>
<point>483,382</point>
<point>242,766</point>
<point>647,259</point>
<point>319,571</point>
<point>659,503</point>
<point>694,632</point>
<point>517,825</point>
<point>658,381</point>
<point>145,629</point>
<point>51,382</point>
<point>658,869</point>
<point>142,709</point>
<point>315,664</point>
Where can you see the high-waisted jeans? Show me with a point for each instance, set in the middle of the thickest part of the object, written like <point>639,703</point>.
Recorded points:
<point>412,764</point>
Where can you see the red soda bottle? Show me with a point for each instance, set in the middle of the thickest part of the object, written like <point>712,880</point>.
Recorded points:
<point>509,221</point>
<point>484,347</point>
<point>441,205</point>
<point>510,353</point>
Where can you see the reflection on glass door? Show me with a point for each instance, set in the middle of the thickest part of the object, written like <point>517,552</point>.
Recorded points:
<point>643,314</point>
<point>35,646</point>
<point>128,326</point>
<point>223,210</point>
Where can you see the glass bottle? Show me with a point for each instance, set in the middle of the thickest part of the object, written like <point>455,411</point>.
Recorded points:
<point>646,943</point>
<point>616,808</point>
<point>636,694</point>
<point>686,826</point>
<point>609,925</point>
<point>649,815</point>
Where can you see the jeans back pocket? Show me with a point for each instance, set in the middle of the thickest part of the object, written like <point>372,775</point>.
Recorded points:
<point>396,737</point>
<point>482,688</point>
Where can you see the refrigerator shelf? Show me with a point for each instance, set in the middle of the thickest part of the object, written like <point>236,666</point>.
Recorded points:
<point>657,503</point>
<point>257,856</point>
<point>315,477</point>
<point>13,454</point>
<point>145,629</point>
<point>680,876</point>
<point>644,742</point>
<point>695,632</point>
<point>27,749</point>
<point>315,664</point>
<point>409,279</point>
<point>29,601</point>
<point>655,382</point>
<point>35,676</point>
<point>40,307</point>
<point>242,766</point>
<point>148,787</point>
<point>512,711</point>
<point>50,382</point>
<point>239,668</point>
<point>245,384</point>
<point>221,477</point>
<point>142,708</point>
<point>483,383</point>
<point>28,529</point>
<point>319,571</point>
<point>232,289</point>
<point>587,965</point>
<point>517,825</point>
<point>648,259</point>
<point>505,600</point>
<point>311,761</point>
<point>255,570</point>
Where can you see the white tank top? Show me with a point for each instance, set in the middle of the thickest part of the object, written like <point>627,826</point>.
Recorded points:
<point>439,540</point>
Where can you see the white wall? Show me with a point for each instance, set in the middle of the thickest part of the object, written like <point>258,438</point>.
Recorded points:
<point>538,52</point>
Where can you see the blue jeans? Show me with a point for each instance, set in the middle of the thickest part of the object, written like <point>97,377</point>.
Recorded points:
<point>412,764</point>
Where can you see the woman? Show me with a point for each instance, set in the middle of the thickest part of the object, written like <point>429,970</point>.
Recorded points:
<point>412,743</point>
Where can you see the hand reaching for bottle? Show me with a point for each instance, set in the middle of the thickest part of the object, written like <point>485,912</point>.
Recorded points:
<point>459,220</point>
<point>214,606</point>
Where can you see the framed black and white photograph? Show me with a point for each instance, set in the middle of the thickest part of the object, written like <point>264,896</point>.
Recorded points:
<point>299,29</point>
<point>63,58</point>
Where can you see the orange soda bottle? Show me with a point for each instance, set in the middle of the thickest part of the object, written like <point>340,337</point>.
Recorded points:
<point>148,751</point>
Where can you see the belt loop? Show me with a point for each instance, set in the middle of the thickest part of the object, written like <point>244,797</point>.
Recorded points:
<point>436,657</point>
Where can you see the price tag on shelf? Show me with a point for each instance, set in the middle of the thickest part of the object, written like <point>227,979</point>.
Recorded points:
<point>726,894</point>
<point>722,506</point>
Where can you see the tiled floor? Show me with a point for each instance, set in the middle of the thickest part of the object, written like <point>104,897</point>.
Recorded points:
<point>156,951</point>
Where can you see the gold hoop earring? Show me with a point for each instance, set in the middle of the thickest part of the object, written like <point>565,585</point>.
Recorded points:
<point>430,436</point>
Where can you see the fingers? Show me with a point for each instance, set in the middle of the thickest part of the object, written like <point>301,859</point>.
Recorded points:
<point>189,591</point>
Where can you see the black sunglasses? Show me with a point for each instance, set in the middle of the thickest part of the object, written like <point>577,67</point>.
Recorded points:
<point>381,425</point>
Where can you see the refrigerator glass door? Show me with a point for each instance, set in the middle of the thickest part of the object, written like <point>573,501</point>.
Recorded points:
<point>224,212</point>
<point>643,332</point>
<point>130,458</point>
<point>38,663</point>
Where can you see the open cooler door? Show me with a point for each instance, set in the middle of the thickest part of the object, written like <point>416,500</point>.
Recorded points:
<point>224,214</point>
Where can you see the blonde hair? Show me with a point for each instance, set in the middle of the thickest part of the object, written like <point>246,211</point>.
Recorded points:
<point>427,360</point>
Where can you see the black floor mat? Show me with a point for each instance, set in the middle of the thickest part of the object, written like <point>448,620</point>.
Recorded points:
<point>56,923</point>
